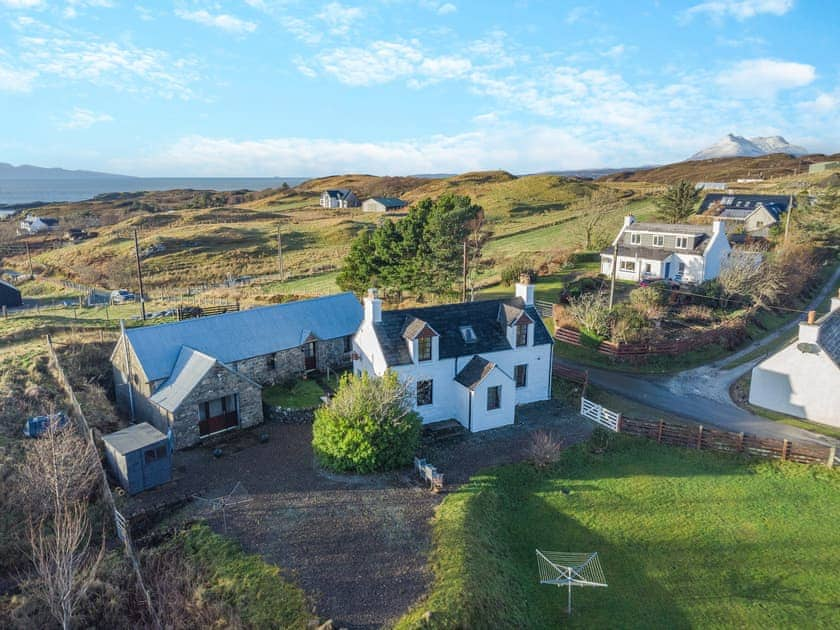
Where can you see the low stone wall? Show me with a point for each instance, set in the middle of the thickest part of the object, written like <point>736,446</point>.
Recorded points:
<point>289,416</point>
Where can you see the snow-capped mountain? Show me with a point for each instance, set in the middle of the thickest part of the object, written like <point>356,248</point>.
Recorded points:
<point>739,146</point>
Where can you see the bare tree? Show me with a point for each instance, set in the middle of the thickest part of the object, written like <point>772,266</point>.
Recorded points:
<point>60,467</point>
<point>591,312</point>
<point>64,567</point>
<point>751,277</point>
<point>597,207</point>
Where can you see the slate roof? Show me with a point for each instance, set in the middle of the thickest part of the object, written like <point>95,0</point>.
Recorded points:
<point>390,202</point>
<point>412,327</point>
<point>132,438</point>
<point>338,193</point>
<point>474,372</point>
<point>828,337</point>
<point>669,228</point>
<point>232,337</point>
<point>190,368</point>
<point>447,320</point>
<point>654,253</point>
<point>728,200</point>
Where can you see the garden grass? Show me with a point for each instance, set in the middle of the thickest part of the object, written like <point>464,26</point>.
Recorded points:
<point>301,394</point>
<point>686,539</point>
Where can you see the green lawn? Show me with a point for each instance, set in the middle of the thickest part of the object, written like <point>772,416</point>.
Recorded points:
<point>298,395</point>
<point>686,539</point>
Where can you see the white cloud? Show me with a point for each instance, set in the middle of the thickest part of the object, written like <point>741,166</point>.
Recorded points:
<point>338,17</point>
<point>22,4</point>
<point>13,80</point>
<point>491,148</point>
<point>121,66</point>
<point>762,78</point>
<point>615,52</point>
<point>823,103</point>
<point>486,119</point>
<point>738,9</point>
<point>579,13</point>
<point>301,30</point>
<point>223,21</point>
<point>83,119</point>
<point>446,8</point>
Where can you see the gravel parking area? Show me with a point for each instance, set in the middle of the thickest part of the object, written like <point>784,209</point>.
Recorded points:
<point>357,544</point>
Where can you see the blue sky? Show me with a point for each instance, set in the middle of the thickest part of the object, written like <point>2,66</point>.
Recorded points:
<point>263,87</point>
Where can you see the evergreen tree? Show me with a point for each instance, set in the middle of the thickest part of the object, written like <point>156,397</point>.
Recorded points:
<point>677,204</point>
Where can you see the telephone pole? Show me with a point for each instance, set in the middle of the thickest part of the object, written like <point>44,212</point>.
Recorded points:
<point>280,253</point>
<point>139,277</point>
<point>464,279</point>
<point>29,258</point>
<point>787,219</point>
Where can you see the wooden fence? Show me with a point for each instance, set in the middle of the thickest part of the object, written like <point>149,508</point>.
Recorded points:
<point>87,432</point>
<point>190,312</point>
<point>571,374</point>
<point>704,438</point>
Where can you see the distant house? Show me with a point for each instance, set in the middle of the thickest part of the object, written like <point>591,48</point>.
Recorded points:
<point>9,295</point>
<point>752,214</point>
<point>682,252</point>
<point>803,379</point>
<point>339,198</point>
<point>7,214</point>
<point>32,224</point>
<point>710,186</point>
<point>203,376</point>
<point>383,204</point>
<point>474,362</point>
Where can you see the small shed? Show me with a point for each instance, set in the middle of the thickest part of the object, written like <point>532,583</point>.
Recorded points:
<point>139,457</point>
<point>9,295</point>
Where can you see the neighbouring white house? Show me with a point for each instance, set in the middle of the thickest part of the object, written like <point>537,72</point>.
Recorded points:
<point>383,204</point>
<point>339,198</point>
<point>473,361</point>
<point>753,215</point>
<point>32,224</point>
<point>682,252</point>
<point>803,379</point>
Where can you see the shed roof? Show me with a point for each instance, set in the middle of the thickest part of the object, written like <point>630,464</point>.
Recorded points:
<point>132,438</point>
<point>232,337</point>
<point>447,320</point>
<point>390,202</point>
<point>190,368</point>
<point>12,287</point>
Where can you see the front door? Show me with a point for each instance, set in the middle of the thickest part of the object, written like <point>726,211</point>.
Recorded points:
<point>309,360</point>
<point>667,273</point>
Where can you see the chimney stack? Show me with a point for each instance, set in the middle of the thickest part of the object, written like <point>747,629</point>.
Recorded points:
<point>812,317</point>
<point>808,330</point>
<point>373,307</point>
<point>629,220</point>
<point>835,302</point>
<point>525,289</point>
<point>718,227</point>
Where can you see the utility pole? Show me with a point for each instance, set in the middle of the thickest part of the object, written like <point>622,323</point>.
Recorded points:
<point>280,253</point>
<point>787,219</point>
<point>139,276</point>
<point>464,279</point>
<point>612,272</point>
<point>29,258</point>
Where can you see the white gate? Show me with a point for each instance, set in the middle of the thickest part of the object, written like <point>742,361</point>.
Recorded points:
<point>599,414</point>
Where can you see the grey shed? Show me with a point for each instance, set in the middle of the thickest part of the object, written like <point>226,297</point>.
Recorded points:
<point>139,456</point>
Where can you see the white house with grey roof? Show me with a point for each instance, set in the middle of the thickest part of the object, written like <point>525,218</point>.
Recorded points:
<point>339,198</point>
<point>203,376</point>
<point>753,215</point>
<point>673,251</point>
<point>803,379</point>
<point>474,362</point>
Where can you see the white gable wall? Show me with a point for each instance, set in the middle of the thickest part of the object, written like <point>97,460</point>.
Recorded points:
<point>717,251</point>
<point>482,418</point>
<point>799,384</point>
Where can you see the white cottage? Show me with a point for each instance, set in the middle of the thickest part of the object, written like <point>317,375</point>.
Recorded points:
<point>682,252</point>
<point>474,362</point>
<point>803,379</point>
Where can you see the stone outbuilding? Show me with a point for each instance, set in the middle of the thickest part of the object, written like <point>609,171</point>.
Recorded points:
<point>203,376</point>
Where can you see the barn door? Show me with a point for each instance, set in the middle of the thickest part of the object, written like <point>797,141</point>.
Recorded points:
<point>309,357</point>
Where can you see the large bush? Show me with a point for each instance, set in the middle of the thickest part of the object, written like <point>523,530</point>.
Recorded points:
<point>368,426</point>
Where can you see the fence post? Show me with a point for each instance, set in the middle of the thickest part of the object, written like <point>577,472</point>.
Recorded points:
<point>659,433</point>
<point>700,436</point>
<point>618,422</point>
<point>832,453</point>
<point>785,445</point>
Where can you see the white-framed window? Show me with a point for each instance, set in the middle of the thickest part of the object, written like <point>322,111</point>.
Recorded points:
<point>627,265</point>
<point>494,397</point>
<point>424,349</point>
<point>647,267</point>
<point>658,240</point>
<point>520,375</point>
<point>635,239</point>
<point>682,242</point>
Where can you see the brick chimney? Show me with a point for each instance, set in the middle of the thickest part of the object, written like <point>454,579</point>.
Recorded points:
<point>808,330</point>
<point>525,289</point>
<point>373,307</point>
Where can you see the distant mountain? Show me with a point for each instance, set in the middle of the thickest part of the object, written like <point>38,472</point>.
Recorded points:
<point>27,171</point>
<point>739,146</point>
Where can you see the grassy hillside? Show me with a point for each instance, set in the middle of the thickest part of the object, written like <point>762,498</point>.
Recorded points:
<point>723,169</point>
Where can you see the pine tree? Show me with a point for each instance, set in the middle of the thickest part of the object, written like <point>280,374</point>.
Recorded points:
<point>677,204</point>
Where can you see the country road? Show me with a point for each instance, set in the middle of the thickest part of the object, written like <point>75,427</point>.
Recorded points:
<point>702,393</point>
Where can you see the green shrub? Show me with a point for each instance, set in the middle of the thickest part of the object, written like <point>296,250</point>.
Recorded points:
<point>627,324</point>
<point>589,339</point>
<point>512,271</point>
<point>368,426</point>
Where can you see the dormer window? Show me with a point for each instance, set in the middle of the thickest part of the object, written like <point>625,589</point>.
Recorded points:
<point>635,239</point>
<point>682,242</point>
<point>468,334</point>
<point>521,335</point>
<point>424,349</point>
<point>658,240</point>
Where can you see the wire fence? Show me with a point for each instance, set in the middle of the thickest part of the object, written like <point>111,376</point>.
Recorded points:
<point>122,530</point>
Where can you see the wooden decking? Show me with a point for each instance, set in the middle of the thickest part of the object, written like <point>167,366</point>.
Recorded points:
<point>443,430</point>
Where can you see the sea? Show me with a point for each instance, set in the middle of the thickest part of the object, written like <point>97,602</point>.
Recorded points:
<point>15,192</point>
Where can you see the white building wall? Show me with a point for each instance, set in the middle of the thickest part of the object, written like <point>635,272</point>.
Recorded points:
<point>693,270</point>
<point>799,384</point>
<point>483,418</point>
<point>716,252</point>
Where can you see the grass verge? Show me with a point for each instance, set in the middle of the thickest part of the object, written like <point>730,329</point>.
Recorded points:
<point>301,394</point>
<point>686,539</point>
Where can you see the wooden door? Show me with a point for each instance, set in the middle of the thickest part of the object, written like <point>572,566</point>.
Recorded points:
<point>309,357</point>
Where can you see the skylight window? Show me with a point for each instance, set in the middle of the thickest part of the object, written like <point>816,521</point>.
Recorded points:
<point>468,334</point>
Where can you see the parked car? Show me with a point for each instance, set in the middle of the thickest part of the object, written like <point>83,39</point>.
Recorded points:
<point>122,295</point>
<point>39,425</point>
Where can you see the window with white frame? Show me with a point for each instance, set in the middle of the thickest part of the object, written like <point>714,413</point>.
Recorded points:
<point>635,239</point>
<point>520,375</point>
<point>627,265</point>
<point>682,242</point>
<point>494,397</point>
<point>658,240</point>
